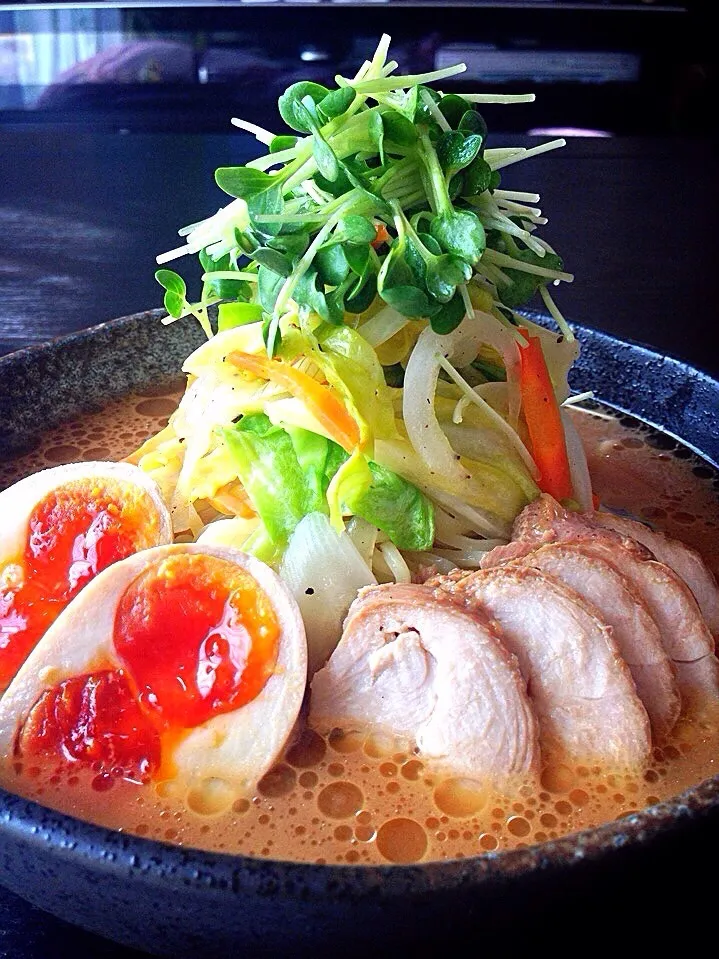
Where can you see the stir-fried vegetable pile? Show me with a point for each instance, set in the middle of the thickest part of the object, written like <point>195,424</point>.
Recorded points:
<point>366,361</point>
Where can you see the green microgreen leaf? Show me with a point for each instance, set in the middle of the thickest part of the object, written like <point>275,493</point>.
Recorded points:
<point>439,272</point>
<point>409,300</point>
<point>336,304</point>
<point>430,243</point>
<point>473,122</point>
<point>455,151</point>
<point>243,182</point>
<point>281,143</point>
<point>335,188</point>
<point>230,315</point>
<point>525,285</point>
<point>422,114</point>
<point>448,318</point>
<point>357,180</point>
<point>263,203</point>
<point>404,102</point>
<point>324,158</point>
<point>273,260</point>
<point>357,256</point>
<point>308,292</point>
<point>293,245</point>
<point>336,103</point>
<point>175,292</point>
<point>398,128</point>
<point>271,334</point>
<point>224,288</point>
<point>361,298</point>
<point>375,128</point>
<point>269,285</point>
<point>453,108</point>
<point>323,153</point>
<point>460,232</point>
<point>477,177</point>
<point>356,229</point>
<point>332,264</point>
<point>398,283</point>
<point>445,273</point>
<point>292,109</point>
<point>171,281</point>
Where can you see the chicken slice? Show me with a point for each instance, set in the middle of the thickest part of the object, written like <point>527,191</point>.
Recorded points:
<point>685,635</point>
<point>417,665</point>
<point>635,632</point>
<point>544,521</point>
<point>684,560</point>
<point>581,688</point>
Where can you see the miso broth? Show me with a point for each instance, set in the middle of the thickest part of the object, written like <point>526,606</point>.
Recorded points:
<point>349,798</point>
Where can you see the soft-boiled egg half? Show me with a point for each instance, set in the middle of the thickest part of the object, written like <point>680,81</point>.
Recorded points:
<point>58,529</point>
<point>183,664</point>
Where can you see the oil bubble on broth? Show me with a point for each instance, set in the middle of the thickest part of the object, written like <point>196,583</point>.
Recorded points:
<point>352,798</point>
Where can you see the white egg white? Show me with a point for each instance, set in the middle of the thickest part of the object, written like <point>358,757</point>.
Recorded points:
<point>236,748</point>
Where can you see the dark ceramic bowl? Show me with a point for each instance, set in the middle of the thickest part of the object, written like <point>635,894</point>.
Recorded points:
<point>631,880</point>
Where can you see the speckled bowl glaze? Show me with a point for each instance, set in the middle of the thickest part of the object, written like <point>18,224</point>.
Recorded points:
<point>182,902</point>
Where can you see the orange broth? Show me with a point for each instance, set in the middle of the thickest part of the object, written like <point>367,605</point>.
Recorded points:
<point>348,798</point>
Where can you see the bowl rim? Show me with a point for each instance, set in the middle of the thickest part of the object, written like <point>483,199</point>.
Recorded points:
<point>115,851</point>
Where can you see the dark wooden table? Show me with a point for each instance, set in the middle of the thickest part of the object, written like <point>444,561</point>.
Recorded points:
<point>82,218</point>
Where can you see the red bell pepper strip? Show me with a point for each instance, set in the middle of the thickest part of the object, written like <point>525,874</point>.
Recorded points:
<point>544,422</point>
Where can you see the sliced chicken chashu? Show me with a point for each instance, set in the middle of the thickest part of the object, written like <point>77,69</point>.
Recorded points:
<point>581,688</point>
<point>415,664</point>
<point>685,635</point>
<point>638,639</point>
<point>545,521</point>
<point>684,560</point>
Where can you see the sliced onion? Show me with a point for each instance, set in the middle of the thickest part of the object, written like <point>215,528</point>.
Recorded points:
<point>578,468</point>
<point>424,565</point>
<point>229,532</point>
<point>324,571</point>
<point>395,562</point>
<point>383,326</point>
<point>423,429</point>
<point>420,385</point>
<point>502,340</point>
<point>363,535</point>
<point>480,521</point>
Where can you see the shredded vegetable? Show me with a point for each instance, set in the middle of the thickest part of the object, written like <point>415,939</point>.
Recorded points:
<point>369,378</point>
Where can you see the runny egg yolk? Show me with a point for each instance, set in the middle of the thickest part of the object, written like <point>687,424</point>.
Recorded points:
<point>94,719</point>
<point>196,637</point>
<point>74,533</point>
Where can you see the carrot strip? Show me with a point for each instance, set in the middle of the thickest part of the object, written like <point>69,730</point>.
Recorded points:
<point>544,422</point>
<point>320,400</point>
<point>233,499</point>
<point>381,235</point>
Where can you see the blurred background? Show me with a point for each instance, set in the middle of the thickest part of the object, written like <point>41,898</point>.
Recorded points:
<point>114,117</point>
<point>611,67</point>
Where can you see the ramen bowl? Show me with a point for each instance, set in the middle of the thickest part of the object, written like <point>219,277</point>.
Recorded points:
<point>627,878</point>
